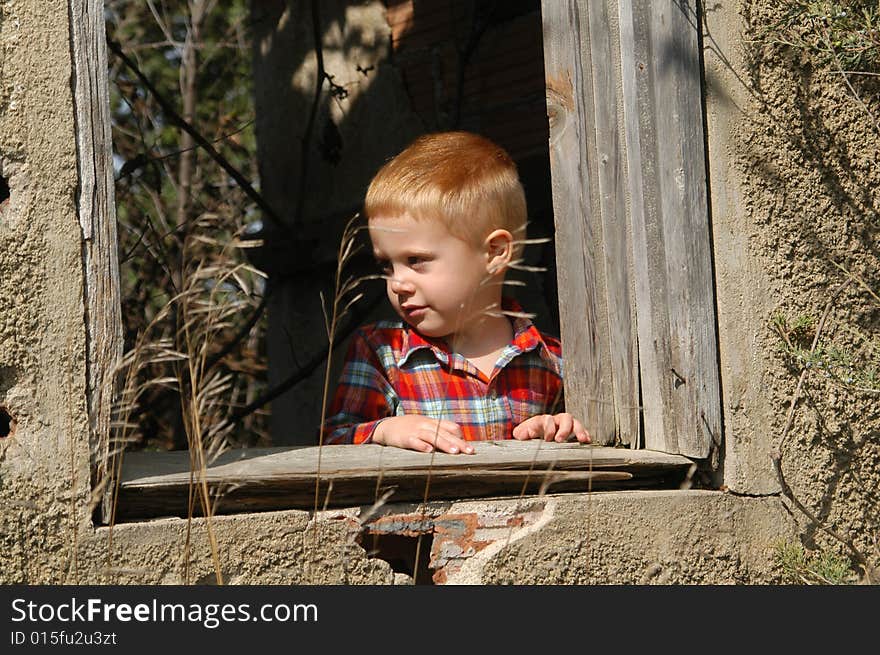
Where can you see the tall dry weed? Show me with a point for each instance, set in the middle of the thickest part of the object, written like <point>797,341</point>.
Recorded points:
<point>217,286</point>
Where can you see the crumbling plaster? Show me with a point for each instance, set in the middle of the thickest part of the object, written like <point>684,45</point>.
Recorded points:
<point>46,531</point>
<point>645,537</point>
<point>616,537</point>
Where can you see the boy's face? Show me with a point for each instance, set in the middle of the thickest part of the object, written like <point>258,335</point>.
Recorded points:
<point>436,282</point>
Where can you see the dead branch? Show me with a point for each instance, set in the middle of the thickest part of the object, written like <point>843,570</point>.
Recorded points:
<point>200,140</point>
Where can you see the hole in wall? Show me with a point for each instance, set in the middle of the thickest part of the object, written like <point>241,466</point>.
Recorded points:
<point>7,423</point>
<point>208,579</point>
<point>400,552</point>
<point>4,191</point>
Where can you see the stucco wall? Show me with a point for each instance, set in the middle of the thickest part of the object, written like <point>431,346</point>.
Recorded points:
<point>794,178</point>
<point>782,154</point>
<point>612,538</point>
<point>43,465</point>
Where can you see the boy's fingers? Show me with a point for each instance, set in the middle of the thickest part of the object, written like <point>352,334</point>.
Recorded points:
<point>552,427</point>
<point>430,430</point>
<point>444,439</point>
<point>564,426</point>
<point>580,432</point>
<point>450,427</point>
<point>420,444</point>
<point>524,430</point>
<point>454,446</point>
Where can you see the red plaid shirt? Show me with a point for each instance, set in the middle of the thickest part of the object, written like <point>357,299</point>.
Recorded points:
<point>392,370</point>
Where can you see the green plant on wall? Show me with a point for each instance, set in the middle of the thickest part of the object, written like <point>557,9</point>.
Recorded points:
<point>835,34</point>
<point>799,566</point>
<point>839,364</point>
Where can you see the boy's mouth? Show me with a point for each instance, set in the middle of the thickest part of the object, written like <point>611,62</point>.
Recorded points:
<point>414,311</point>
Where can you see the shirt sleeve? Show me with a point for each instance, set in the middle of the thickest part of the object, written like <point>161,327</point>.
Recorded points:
<point>363,397</point>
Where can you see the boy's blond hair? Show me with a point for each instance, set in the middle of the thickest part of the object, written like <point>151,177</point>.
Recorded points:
<point>463,180</point>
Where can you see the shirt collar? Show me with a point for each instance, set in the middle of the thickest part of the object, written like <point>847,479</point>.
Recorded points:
<point>526,337</point>
<point>414,340</point>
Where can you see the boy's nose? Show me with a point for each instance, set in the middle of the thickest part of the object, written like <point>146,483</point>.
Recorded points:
<point>400,286</point>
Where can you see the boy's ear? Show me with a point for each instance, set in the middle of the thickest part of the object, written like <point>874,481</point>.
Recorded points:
<point>499,251</point>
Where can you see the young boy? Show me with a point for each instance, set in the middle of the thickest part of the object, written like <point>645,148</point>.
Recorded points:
<point>446,218</point>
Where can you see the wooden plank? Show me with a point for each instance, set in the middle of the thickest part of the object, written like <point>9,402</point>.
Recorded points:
<point>97,215</point>
<point>155,484</point>
<point>144,468</point>
<point>615,234</point>
<point>581,283</point>
<point>670,229</point>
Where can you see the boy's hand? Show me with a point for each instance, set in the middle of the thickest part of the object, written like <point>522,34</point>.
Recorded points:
<point>552,427</point>
<point>422,434</point>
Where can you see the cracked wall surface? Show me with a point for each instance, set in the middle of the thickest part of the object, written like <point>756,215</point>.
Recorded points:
<point>661,537</point>
<point>793,176</point>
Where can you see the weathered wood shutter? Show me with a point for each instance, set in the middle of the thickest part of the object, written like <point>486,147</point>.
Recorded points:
<point>628,165</point>
<point>96,209</point>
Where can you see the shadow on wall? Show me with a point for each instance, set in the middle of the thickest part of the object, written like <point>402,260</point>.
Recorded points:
<point>392,71</point>
<point>814,206</point>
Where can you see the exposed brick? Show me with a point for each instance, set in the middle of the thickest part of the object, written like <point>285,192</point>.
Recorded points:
<point>455,525</point>
<point>456,536</point>
<point>409,525</point>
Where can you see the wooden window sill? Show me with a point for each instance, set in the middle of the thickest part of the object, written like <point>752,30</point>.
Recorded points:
<point>158,484</point>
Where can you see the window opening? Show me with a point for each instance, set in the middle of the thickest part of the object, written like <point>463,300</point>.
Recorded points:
<point>187,182</point>
<point>170,154</point>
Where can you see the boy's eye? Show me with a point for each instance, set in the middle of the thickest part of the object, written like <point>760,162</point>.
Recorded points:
<point>384,266</point>
<point>416,260</point>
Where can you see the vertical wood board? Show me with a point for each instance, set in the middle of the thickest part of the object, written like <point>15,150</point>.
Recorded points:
<point>611,206</point>
<point>580,273</point>
<point>669,212</point>
<point>97,216</point>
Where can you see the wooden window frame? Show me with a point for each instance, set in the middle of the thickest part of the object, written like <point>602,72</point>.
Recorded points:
<point>96,209</point>
<point>631,200</point>
<point>591,179</point>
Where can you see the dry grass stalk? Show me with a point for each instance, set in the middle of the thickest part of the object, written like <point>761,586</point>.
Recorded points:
<point>345,295</point>
<point>216,288</point>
